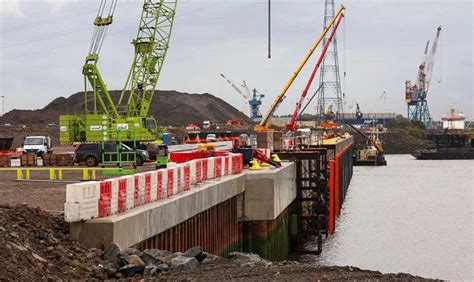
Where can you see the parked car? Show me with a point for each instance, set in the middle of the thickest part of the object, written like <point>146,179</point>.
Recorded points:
<point>211,138</point>
<point>91,153</point>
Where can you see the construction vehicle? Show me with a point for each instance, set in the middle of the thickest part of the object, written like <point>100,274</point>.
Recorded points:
<point>39,145</point>
<point>127,120</point>
<point>372,153</point>
<point>291,125</point>
<point>265,123</point>
<point>416,94</point>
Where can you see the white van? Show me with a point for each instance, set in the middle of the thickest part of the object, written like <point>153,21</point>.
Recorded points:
<point>38,145</point>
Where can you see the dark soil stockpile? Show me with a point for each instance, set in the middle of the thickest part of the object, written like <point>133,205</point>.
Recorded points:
<point>34,245</point>
<point>169,107</point>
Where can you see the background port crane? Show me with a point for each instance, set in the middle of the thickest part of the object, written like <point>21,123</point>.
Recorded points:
<point>254,100</point>
<point>255,104</point>
<point>416,94</point>
<point>106,120</point>
<point>245,94</point>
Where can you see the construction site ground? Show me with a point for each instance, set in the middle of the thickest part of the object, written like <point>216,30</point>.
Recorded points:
<point>40,192</point>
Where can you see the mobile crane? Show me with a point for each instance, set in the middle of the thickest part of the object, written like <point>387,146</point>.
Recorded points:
<point>127,120</point>
<point>291,125</point>
<point>265,123</point>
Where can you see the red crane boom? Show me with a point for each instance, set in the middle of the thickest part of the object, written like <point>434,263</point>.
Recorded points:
<point>291,125</point>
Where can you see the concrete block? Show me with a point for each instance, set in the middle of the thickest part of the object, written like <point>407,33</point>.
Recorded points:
<point>268,192</point>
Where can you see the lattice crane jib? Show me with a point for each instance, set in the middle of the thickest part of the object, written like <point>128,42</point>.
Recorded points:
<point>151,46</point>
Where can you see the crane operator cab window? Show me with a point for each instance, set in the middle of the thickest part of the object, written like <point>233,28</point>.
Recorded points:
<point>150,124</point>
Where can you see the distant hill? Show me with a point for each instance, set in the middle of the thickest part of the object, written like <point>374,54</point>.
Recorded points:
<point>169,107</point>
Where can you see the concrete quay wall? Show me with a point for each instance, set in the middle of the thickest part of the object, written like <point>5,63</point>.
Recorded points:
<point>254,195</point>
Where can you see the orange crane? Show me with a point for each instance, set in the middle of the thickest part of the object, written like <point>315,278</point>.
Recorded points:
<point>291,125</point>
<point>265,123</point>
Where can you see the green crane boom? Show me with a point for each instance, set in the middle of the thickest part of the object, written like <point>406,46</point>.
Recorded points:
<point>90,71</point>
<point>106,120</point>
<point>151,46</point>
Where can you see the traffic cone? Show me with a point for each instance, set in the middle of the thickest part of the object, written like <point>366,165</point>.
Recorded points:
<point>276,159</point>
<point>264,164</point>
<point>255,165</point>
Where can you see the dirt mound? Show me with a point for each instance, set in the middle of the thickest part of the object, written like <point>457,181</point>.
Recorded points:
<point>169,107</point>
<point>34,245</point>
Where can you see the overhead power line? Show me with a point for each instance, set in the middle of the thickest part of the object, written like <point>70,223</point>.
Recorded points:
<point>25,54</point>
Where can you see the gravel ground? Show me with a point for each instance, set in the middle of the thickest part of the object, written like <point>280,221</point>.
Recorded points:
<point>48,195</point>
<point>35,245</point>
<point>224,269</point>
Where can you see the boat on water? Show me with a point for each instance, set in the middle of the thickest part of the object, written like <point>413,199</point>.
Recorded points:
<point>454,143</point>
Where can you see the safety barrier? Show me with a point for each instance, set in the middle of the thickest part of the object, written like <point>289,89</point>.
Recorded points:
<point>116,195</point>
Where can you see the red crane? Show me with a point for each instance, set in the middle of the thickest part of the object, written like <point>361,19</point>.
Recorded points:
<point>291,125</point>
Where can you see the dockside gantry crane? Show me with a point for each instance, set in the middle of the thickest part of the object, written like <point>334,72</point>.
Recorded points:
<point>416,94</point>
<point>106,120</point>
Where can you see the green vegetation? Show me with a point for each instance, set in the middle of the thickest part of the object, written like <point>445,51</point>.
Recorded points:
<point>414,128</point>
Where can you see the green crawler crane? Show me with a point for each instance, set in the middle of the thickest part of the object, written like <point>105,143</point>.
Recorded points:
<point>126,120</point>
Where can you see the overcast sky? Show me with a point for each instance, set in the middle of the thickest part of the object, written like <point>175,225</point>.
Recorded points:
<point>43,45</point>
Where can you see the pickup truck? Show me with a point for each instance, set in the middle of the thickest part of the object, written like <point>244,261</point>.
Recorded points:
<point>91,153</point>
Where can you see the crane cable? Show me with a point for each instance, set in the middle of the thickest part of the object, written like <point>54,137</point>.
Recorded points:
<point>100,30</point>
<point>269,29</point>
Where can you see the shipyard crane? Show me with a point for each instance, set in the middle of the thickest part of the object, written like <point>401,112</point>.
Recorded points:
<point>255,104</point>
<point>254,99</point>
<point>416,94</point>
<point>105,120</point>
<point>245,94</point>
<point>265,123</point>
<point>291,125</point>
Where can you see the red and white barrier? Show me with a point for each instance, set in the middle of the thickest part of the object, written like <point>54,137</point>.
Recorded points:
<point>82,201</point>
<point>116,195</point>
<point>210,168</point>
<point>193,179</point>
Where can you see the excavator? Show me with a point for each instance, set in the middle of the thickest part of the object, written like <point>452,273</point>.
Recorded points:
<point>372,153</point>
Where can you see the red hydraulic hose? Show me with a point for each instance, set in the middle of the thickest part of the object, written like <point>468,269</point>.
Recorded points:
<point>291,125</point>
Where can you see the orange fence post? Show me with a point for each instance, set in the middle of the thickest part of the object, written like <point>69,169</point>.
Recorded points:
<point>336,186</point>
<point>331,196</point>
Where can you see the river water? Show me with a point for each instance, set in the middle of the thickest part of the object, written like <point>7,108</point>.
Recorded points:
<point>410,216</point>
